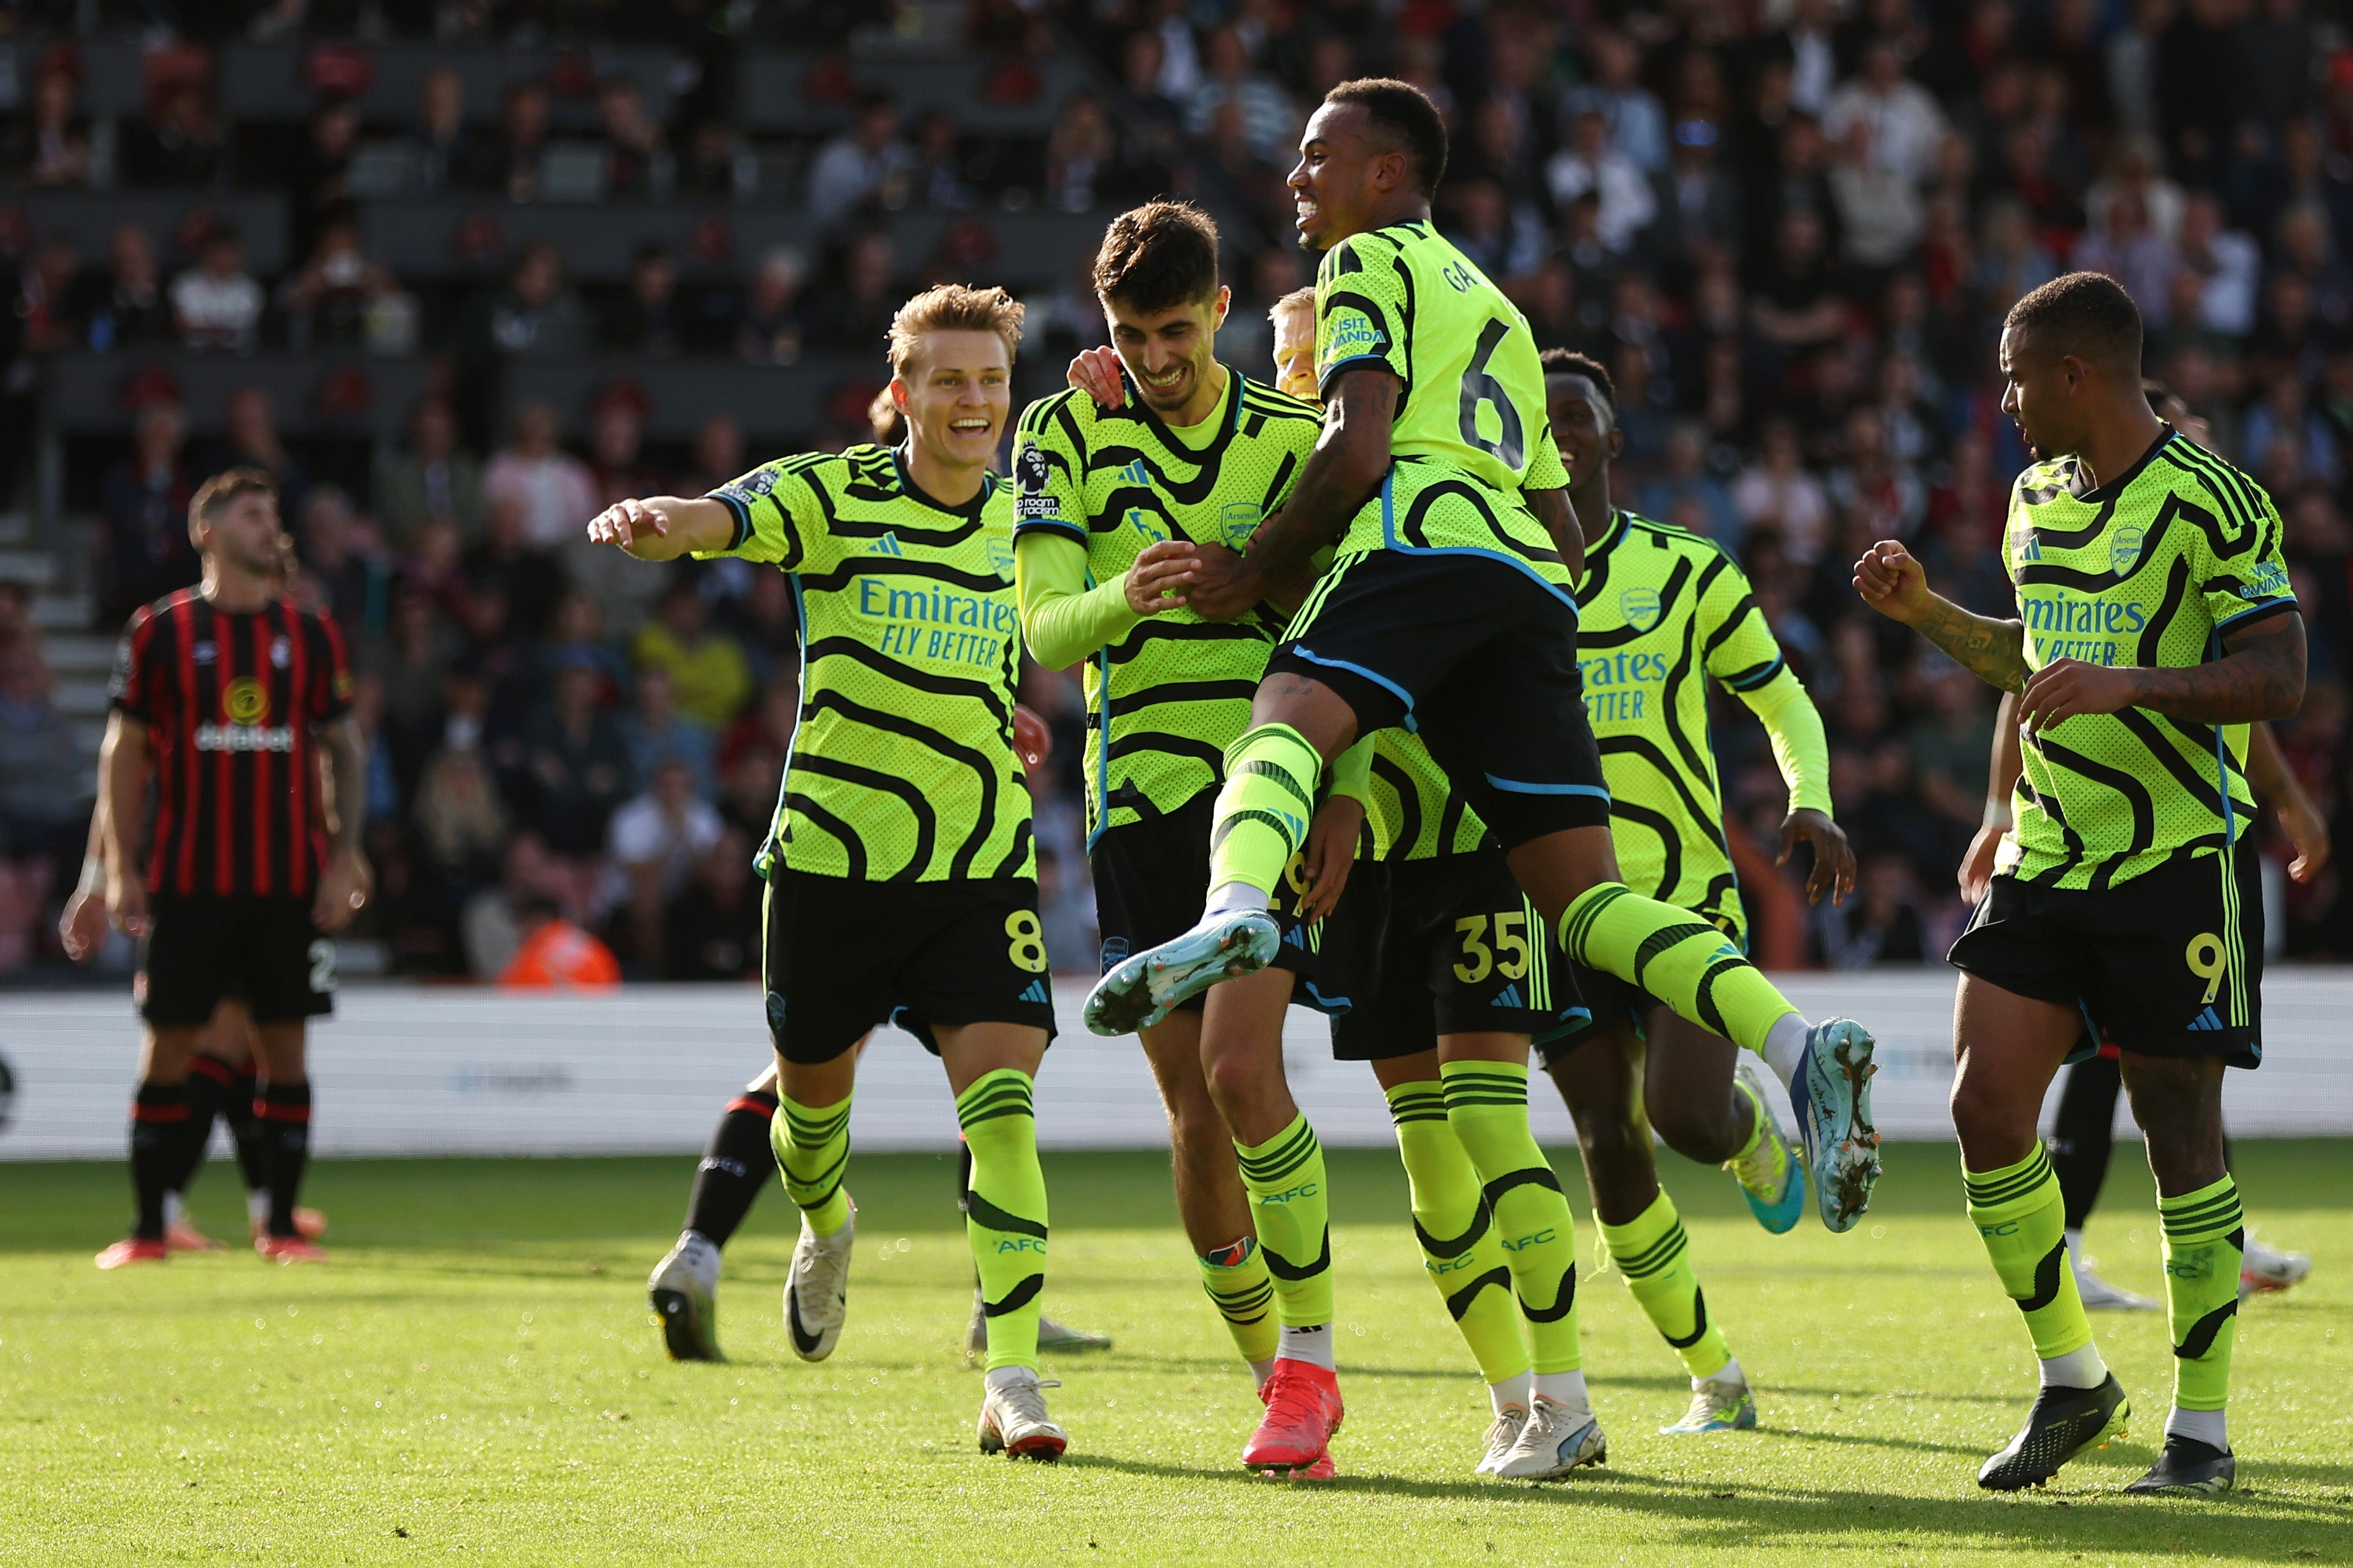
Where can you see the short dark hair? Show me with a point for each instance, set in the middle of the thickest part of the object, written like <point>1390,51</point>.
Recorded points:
<point>216,492</point>
<point>1568,362</point>
<point>1406,112</point>
<point>1158,257</point>
<point>2087,314</point>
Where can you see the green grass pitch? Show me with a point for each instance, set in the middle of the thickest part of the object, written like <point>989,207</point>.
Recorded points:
<point>473,1378</point>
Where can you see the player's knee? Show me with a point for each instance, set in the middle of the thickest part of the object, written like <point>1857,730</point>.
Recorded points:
<point>1988,1113</point>
<point>1708,1133</point>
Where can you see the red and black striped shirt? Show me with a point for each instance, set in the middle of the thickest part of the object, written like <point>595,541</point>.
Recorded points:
<point>232,704</point>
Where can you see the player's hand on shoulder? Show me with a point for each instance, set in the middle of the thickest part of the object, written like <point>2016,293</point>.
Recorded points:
<point>1160,576</point>
<point>2067,687</point>
<point>1834,871</point>
<point>1891,581</point>
<point>625,523</point>
<point>1331,853</point>
<point>1096,373</point>
<point>1225,586</point>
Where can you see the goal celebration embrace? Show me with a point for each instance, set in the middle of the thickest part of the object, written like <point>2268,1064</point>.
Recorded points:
<point>1473,799</point>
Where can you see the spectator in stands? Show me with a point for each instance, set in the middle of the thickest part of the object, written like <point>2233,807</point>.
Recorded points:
<point>552,954</point>
<point>654,842</point>
<point>658,734</point>
<point>647,320</point>
<point>712,929</point>
<point>46,790</point>
<point>1777,493</point>
<point>435,481</point>
<point>710,679</point>
<point>216,304</point>
<point>772,324</point>
<point>179,146</point>
<point>531,578</point>
<point>47,302</point>
<point>342,554</point>
<point>537,315</point>
<point>319,176</point>
<point>143,500</point>
<point>616,443</point>
<point>718,455</point>
<point>867,162</point>
<point>1879,212</point>
<point>250,440</point>
<point>859,306</point>
<point>327,302</point>
<point>1684,492</point>
<point>1880,923</point>
<point>52,147</point>
<point>1268,122</point>
<point>636,159</point>
<point>576,766</point>
<point>1903,123</point>
<point>1635,124</point>
<point>2225,263</point>
<point>513,161</point>
<point>1590,165</point>
<point>126,308</point>
<point>461,827</point>
<point>449,155</point>
<point>555,489</point>
<point>937,172</point>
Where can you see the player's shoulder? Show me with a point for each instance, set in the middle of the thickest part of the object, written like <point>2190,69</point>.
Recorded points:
<point>1068,411</point>
<point>2044,481</point>
<point>1672,542</point>
<point>1258,398</point>
<point>171,605</point>
<point>2180,467</point>
<point>763,481</point>
<point>1373,248</point>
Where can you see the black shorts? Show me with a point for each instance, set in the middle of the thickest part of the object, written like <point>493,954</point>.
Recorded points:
<point>840,957</point>
<point>1444,946</point>
<point>263,951</point>
<point>1152,876</point>
<point>1479,658</point>
<point>2169,963</point>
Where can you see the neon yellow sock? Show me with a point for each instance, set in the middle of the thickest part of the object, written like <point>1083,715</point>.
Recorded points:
<point>812,1148</point>
<point>1005,1215</point>
<point>1487,1105</point>
<point>1675,956</point>
<point>2205,1243</point>
<point>1292,1216</point>
<point>1652,1251</point>
<point>1243,1293</point>
<point>1459,1248</point>
<point>1264,807</point>
<point>2023,1220</point>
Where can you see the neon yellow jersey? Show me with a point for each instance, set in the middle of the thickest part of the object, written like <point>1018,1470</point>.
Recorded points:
<point>902,769</point>
<point>1474,407</point>
<point>1416,814</point>
<point>1164,701</point>
<point>2148,570</point>
<point>1662,611</point>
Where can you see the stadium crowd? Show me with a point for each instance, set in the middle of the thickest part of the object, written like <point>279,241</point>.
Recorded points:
<point>1789,229</point>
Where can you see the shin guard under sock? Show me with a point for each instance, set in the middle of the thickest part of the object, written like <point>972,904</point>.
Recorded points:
<point>2205,1243</point>
<point>1653,1253</point>
<point>1487,1105</point>
<point>1675,956</point>
<point>1263,809</point>
<point>1240,1286</point>
<point>812,1147</point>
<point>2021,1218</point>
<point>736,1166</point>
<point>1460,1247</point>
<point>1291,1210</point>
<point>1005,1211</point>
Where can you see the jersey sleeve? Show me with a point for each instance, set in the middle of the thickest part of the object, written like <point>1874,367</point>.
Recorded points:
<point>330,691</point>
<point>1049,462</point>
<point>1547,469</point>
<point>2245,579</point>
<point>1736,644</point>
<point>778,518</point>
<point>1363,312</point>
<point>1062,619</point>
<point>131,690</point>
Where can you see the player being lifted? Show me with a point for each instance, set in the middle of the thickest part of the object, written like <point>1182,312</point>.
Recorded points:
<point>1448,610</point>
<point>902,877</point>
<point>1662,611</point>
<point>1438,974</point>
<point>1172,446</point>
<point>2155,621</point>
<point>226,696</point>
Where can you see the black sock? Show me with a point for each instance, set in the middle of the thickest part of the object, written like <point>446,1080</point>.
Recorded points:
<point>159,1120</point>
<point>284,1111</point>
<point>736,1166</point>
<point>211,1083</point>
<point>245,1130</point>
<point>964,1193</point>
<point>2082,1134</point>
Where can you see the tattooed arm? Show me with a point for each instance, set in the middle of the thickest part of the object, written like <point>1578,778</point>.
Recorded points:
<point>2259,677</point>
<point>1896,585</point>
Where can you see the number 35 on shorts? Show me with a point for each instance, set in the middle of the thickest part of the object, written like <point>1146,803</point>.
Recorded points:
<point>1509,930</point>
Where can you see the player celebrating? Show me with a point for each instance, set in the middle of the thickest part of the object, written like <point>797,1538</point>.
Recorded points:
<point>1660,610</point>
<point>226,694</point>
<point>2155,623</point>
<point>1162,446</point>
<point>1448,610</point>
<point>901,877</point>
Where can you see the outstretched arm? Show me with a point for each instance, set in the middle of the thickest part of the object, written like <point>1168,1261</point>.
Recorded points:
<point>1896,585</point>
<point>664,528</point>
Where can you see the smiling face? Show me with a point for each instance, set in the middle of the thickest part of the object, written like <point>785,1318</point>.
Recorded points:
<point>1172,353</point>
<point>955,391</point>
<point>1343,172</point>
<point>1294,351</point>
